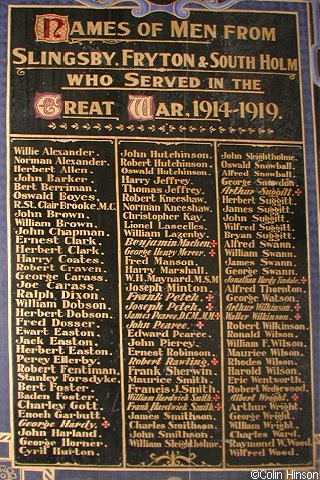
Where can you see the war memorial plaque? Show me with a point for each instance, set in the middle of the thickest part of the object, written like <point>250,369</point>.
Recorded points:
<point>160,231</point>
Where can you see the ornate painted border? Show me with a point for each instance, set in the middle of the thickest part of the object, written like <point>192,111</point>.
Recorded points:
<point>179,8</point>
<point>8,472</point>
<point>316,44</point>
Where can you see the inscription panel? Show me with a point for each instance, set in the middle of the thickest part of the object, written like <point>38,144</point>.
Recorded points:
<point>159,268</point>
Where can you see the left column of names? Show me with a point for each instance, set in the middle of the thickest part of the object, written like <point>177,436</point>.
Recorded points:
<point>65,323</point>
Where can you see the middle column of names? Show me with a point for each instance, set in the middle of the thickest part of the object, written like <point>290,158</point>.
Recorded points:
<point>170,304</point>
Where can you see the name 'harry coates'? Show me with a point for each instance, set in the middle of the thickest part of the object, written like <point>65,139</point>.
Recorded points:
<point>175,29</point>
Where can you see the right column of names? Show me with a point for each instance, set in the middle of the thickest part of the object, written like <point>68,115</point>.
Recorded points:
<point>265,304</point>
